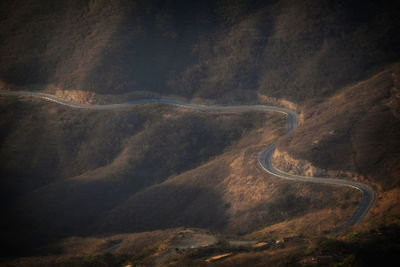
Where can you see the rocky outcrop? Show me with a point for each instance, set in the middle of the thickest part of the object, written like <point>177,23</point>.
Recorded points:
<point>285,162</point>
<point>283,103</point>
<point>76,96</point>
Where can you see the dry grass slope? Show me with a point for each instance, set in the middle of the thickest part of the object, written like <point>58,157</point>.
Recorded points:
<point>224,50</point>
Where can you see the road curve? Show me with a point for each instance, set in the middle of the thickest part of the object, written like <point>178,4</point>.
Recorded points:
<point>362,209</point>
<point>368,194</point>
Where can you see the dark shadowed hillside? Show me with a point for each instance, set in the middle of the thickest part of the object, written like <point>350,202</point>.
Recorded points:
<point>226,49</point>
<point>72,166</point>
<point>143,169</point>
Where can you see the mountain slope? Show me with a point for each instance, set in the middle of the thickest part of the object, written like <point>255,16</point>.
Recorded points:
<point>356,130</point>
<point>84,163</point>
<point>67,172</point>
<point>355,134</point>
<point>227,50</point>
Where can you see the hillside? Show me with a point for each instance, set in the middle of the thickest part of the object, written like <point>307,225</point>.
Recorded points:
<point>358,130</point>
<point>218,186</point>
<point>161,185</point>
<point>225,50</point>
<point>356,134</point>
<point>84,163</point>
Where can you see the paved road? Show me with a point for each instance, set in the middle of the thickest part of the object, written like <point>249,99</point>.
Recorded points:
<point>368,194</point>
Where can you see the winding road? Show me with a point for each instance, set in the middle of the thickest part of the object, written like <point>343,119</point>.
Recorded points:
<point>368,194</point>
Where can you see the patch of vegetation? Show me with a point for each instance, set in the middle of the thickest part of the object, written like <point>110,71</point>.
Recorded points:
<point>349,261</point>
<point>106,259</point>
<point>373,248</point>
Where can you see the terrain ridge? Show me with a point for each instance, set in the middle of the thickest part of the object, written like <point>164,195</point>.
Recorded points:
<point>368,195</point>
